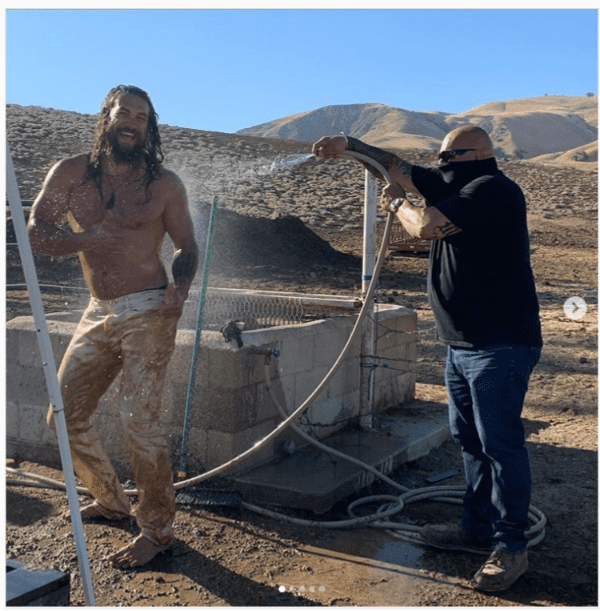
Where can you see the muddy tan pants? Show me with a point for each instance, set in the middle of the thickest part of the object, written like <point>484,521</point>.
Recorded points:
<point>127,334</point>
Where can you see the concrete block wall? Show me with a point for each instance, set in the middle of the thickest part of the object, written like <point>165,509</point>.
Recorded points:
<point>231,408</point>
<point>396,351</point>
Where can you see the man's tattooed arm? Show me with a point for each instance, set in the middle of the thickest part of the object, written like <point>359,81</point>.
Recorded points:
<point>185,264</point>
<point>444,230</point>
<point>385,158</point>
<point>425,223</point>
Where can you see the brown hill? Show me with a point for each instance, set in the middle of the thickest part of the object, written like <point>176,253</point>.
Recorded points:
<point>521,129</point>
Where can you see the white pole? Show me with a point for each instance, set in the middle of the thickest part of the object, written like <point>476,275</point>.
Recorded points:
<point>369,231</point>
<point>18,217</point>
<point>368,333</point>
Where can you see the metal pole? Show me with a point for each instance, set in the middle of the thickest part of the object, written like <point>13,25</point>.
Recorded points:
<point>368,333</point>
<point>35,297</point>
<point>369,231</point>
<point>182,473</point>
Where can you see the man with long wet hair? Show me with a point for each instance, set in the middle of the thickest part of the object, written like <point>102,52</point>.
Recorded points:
<point>113,208</point>
<point>105,142</point>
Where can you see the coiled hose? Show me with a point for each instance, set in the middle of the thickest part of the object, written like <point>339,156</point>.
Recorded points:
<point>386,505</point>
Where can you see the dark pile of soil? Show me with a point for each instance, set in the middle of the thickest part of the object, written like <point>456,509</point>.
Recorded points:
<point>286,244</point>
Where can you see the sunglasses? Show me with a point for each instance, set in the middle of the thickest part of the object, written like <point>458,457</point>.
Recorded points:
<point>451,154</point>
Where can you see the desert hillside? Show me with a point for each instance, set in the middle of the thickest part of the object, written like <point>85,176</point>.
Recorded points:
<point>522,129</point>
<point>257,176</point>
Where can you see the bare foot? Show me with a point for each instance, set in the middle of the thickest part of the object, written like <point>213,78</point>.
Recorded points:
<point>95,511</point>
<point>139,552</point>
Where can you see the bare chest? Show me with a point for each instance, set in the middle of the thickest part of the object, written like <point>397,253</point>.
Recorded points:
<point>133,205</point>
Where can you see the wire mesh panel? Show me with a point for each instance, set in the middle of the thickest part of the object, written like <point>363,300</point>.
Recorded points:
<point>258,310</point>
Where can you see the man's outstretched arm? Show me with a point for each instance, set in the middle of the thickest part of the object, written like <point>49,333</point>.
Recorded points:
<point>400,170</point>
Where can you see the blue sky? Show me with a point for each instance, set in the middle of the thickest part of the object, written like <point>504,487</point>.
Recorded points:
<point>224,70</point>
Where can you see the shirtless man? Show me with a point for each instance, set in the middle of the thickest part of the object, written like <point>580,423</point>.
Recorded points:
<point>113,208</point>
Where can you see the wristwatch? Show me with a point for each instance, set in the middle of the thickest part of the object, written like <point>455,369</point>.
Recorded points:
<point>395,204</point>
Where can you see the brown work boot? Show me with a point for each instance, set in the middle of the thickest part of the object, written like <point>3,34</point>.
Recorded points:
<point>453,537</point>
<point>500,571</point>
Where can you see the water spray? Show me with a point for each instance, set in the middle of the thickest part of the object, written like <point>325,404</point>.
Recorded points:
<point>284,163</point>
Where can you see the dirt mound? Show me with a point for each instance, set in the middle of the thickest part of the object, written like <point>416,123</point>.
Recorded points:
<point>285,243</point>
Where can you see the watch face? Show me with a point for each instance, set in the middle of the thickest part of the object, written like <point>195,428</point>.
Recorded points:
<point>575,308</point>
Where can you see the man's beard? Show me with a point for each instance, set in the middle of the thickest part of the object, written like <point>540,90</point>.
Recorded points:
<point>122,154</point>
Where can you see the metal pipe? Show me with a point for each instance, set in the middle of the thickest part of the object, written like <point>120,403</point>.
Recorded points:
<point>366,376</point>
<point>182,473</point>
<point>369,231</point>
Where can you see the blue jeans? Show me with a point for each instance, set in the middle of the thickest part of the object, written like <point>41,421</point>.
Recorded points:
<point>486,391</point>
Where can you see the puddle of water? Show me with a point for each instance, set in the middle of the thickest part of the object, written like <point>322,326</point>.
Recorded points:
<point>377,545</point>
<point>398,552</point>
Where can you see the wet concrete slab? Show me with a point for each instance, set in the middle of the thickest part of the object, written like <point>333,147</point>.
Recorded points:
<point>311,479</point>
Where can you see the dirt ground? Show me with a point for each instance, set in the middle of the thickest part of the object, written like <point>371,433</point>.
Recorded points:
<point>227,556</point>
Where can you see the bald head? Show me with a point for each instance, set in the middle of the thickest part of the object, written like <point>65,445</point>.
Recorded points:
<point>469,137</point>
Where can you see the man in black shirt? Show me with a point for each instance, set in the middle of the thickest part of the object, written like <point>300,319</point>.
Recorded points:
<point>482,292</point>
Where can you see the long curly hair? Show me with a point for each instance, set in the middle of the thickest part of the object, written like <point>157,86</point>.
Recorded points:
<point>153,155</point>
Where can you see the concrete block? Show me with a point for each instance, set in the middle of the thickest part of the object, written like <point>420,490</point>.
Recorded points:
<point>12,339</point>
<point>61,333</point>
<point>32,421</point>
<point>28,354</point>
<point>26,384</point>
<point>231,368</point>
<point>328,412</point>
<point>399,348</point>
<point>298,356</point>
<point>12,419</point>
<point>181,359</point>
<point>394,391</point>
<point>179,393</point>
<point>222,447</point>
<point>230,410</point>
<point>330,343</point>
<point>307,382</point>
<point>390,341</point>
<point>309,479</point>
<point>248,438</point>
<point>224,409</point>
<point>397,317</point>
<point>287,383</point>
<point>197,449</point>
<point>72,316</point>
<point>226,369</point>
<point>346,380</point>
<point>265,406</point>
<point>23,343</point>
